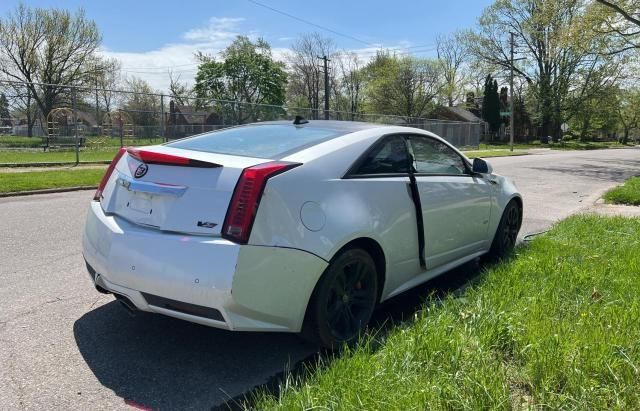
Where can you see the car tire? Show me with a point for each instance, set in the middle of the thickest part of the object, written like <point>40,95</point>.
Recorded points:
<point>506,235</point>
<point>343,301</point>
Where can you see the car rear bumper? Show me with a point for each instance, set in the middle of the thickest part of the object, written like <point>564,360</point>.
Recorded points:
<point>210,281</point>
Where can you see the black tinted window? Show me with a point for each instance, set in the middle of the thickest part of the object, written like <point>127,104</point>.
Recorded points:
<point>434,157</point>
<point>387,158</point>
<point>263,141</point>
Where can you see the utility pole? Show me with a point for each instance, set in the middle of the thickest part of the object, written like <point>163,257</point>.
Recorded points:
<point>512,115</point>
<point>98,122</point>
<point>326,86</point>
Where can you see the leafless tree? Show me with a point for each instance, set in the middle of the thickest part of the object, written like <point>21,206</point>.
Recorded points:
<point>142,103</point>
<point>453,55</point>
<point>108,78</point>
<point>306,80</point>
<point>349,82</point>
<point>179,91</point>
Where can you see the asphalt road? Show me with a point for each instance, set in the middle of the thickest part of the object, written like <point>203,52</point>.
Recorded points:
<point>63,345</point>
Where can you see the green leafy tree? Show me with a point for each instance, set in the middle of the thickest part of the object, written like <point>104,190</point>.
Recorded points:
<point>597,117</point>
<point>563,60</point>
<point>403,86</point>
<point>621,19</point>
<point>246,77</point>
<point>629,112</point>
<point>49,46</point>
<point>491,104</point>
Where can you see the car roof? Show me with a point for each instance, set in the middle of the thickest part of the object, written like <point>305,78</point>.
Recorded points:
<point>345,126</point>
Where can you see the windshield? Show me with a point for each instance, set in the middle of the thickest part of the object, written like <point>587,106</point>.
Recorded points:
<point>262,141</point>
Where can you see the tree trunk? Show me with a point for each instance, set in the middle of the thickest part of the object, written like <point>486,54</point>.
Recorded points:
<point>625,137</point>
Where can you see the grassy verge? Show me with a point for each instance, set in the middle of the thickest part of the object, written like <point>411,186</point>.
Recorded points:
<point>38,180</point>
<point>561,145</point>
<point>558,326</point>
<point>628,193</point>
<point>493,153</point>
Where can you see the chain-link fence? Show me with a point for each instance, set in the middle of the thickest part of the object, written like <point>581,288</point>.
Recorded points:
<point>59,123</point>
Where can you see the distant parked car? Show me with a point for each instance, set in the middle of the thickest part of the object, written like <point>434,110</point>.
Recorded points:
<point>292,227</point>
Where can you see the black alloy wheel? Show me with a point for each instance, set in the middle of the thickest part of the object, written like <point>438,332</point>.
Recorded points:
<point>507,233</point>
<point>511,227</point>
<point>344,300</point>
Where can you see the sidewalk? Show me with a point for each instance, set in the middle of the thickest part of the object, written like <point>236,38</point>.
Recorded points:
<point>600,207</point>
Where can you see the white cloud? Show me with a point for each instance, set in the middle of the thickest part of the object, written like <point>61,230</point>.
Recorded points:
<point>179,57</point>
<point>154,65</point>
<point>219,29</point>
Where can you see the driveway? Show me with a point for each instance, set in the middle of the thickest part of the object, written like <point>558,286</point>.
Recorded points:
<point>63,345</point>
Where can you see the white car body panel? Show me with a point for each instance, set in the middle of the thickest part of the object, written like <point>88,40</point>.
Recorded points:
<point>305,217</point>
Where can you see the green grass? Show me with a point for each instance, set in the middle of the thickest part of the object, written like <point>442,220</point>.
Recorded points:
<point>56,156</point>
<point>37,180</point>
<point>590,145</point>
<point>93,142</point>
<point>104,150</point>
<point>558,326</point>
<point>562,145</point>
<point>505,146</point>
<point>493,153</point>
<point>628,193</point>
<point>20,142</point>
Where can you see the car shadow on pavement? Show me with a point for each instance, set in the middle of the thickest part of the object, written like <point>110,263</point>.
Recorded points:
<point>157,362</point>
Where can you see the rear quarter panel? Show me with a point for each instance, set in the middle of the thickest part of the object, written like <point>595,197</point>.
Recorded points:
<point>344,210</point>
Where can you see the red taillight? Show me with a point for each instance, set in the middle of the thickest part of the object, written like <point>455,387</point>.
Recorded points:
<point>246,198</point>
<point>107,174</point>
<point>151,157</point>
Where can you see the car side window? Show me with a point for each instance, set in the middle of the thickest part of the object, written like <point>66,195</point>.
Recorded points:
<point>390,157</point>
<point>434,157</point>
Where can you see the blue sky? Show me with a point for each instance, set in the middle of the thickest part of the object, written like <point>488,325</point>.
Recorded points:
<point>149,37</point>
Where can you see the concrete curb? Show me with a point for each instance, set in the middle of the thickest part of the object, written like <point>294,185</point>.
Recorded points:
<point>53,164</point>
<point>46,191</point>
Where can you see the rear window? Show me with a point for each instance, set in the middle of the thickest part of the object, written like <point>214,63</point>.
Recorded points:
<point>262,141</point>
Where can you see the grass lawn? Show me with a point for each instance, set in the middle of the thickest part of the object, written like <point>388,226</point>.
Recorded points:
<point>103,151</point>
<point>56,156</point>
<point>18,141</point>
<point>493,153</point>
<point>93,142</point>
<point>37,180</point>
<point>628,193</point>
<point>558,326</point>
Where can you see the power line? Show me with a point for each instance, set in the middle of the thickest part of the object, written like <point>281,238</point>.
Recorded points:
<point>403,49</point>
<point>159,67</point>
<point>311,23</point>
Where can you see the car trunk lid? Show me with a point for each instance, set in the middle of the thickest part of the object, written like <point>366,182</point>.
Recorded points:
<point>173,189</point>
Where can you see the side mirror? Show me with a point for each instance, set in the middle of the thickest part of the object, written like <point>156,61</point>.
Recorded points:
<point>481,166</point>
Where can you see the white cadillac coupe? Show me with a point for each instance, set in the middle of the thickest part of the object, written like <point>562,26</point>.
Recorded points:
<point>282,226</point>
